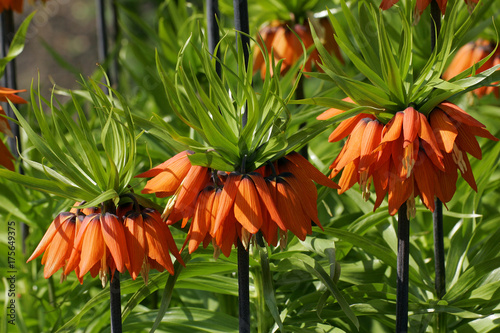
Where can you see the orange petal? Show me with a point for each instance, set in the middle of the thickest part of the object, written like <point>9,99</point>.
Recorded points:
<point>426,133</point>
<point>444,130</point>
<point>169,179</point>
<point>136,242</point>
<point>6,157</point>
<point>50,233</point>
<point>350,176</point>
<point>425,178</point>
<point>467,142</point>
<point>156,237</point>
<point>306,169</point>
<point>267,200</point>
<point>200,223</point>
<point>352,145</point>
<point>461,61</point>
<point>154,218</point>
<point>411,125</point>
<point>467,175</point>
<point>332,112</point>
<point>456,113</point>
<point>114,237</point>
<point>196,179</point>
<point>92,245</point>
<point>386,4</point>
<point>446,181</point>
<point>60,248</point>
<point>305,188</point>
<point>392,130</point>
<point>227,198</point>
<point>247,209</point>
<point>347,126</point>
<point>290,209</point>
<point>173,164</point>
<point>371,139</point>
<point>399,190</point>
<point>4,124</point>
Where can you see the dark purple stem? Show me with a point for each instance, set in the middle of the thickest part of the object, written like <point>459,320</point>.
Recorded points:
<point>402,270</point>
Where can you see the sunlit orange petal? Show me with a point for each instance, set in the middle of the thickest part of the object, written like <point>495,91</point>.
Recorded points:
<point>350,176</point>
<point>50,233</point>
<point>399,190</point>
<point>199,224</point>
<point>60,248</point>
<point>227,198</point>
<point>467,142</point>
<point>114,237</point>
<point>305,169</point>
<point>136,242</point>
<point>196,179</point>
<point>172,165</point>
<point>371,139</point>
<point>168,181</point>
<point>455,112</point>
<point>92,245</point>
<point>411,125</point>
<point>247,209</point>
<point>461,61</point>
<point>426,134</point>
<point>347,126</point>
<point>267,200</point>
<point>352,145</point>
<point>425,177</point>
<point>392,130</point>
<point>444,130</point>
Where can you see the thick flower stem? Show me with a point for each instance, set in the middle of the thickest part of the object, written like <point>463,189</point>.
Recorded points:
<point>115,304</point>
<point>9,80</point>
<point>241,24</point>
<point>213,30</point>
<point>402,270</point>
<point>299,94</point>
<point>243,289</point>
<point>437,215</point>
<point>435,23</point>
<point>102,37</point>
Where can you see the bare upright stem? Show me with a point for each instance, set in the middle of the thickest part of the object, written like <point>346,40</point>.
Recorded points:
<point>115,303</point>
<point>402,270</point>
<point>213,30</point>
<point>243,289</point>
<point>437,216</point>
<point>241,24</point>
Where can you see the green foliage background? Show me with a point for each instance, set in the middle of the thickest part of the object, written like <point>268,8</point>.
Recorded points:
<point>342,279</point>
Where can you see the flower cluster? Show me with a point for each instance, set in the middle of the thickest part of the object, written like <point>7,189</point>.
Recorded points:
<point>227,207</point>
<point>280,39</point>
<point>412,155</point>
<point>6,157</point>
<point>84,240</point>
<point>469,55</point>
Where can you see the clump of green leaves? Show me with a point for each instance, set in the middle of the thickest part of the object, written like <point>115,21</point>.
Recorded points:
<point>216,112</point>
<point>80,163</point>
